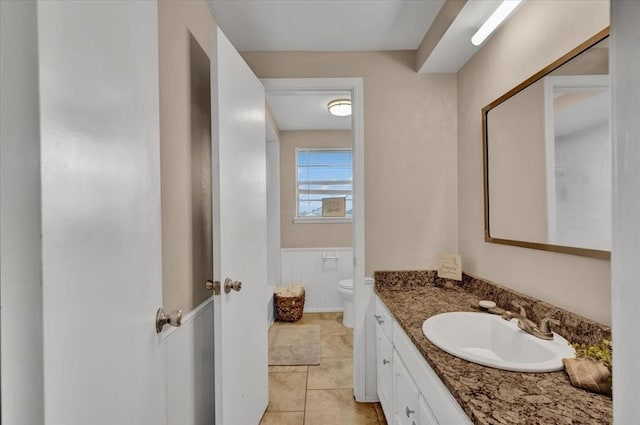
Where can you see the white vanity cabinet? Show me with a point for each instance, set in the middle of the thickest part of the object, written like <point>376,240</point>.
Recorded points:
<point>409,390</point>
<point>384,358</point>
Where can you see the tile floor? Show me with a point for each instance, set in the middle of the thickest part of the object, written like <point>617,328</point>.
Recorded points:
<point>323,394</point>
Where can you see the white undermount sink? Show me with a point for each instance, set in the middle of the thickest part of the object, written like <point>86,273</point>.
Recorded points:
<point>489,340</point>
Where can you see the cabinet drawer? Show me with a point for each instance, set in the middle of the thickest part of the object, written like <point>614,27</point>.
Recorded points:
<point>383,318</point>
<point>445,408</point>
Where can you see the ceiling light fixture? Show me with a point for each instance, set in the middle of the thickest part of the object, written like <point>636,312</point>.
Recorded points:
<point>497,17</point>
<point>340,107</point>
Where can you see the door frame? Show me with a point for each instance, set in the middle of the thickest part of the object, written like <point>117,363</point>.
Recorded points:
<point>361,292</point>
<point>552,82</point>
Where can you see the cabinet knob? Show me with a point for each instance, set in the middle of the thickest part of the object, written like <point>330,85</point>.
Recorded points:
<point>385,361</point>
<point>379,319</point>
<point>409,411</point>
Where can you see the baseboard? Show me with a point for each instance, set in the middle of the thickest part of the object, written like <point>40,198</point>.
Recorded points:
<point>323,310</point>
<point>371,399</point>
<point>272,319</point>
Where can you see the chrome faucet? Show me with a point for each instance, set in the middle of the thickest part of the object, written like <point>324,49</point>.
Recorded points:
<point>528,325</point>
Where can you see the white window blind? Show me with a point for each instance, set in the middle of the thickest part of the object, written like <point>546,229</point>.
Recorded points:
<point>323,173</point>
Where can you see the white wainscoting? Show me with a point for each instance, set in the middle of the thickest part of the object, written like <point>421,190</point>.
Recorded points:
<point>319,270</point>
<point>188,353</point>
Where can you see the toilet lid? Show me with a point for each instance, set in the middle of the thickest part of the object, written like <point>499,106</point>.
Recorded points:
<point>346,284</point>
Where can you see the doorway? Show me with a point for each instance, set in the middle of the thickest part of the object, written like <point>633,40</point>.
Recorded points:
<point>354,88</point>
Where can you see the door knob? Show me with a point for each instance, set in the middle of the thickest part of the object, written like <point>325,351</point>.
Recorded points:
<point>231,285</point>
<point>172,319</point>
<point>385,361</point>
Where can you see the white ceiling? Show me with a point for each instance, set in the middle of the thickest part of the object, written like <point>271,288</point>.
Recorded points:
<point>325,25</point>
<point>307,111</point>
<point>454,49</point>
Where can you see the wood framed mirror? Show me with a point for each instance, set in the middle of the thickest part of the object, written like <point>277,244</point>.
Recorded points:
<point>547,157</point>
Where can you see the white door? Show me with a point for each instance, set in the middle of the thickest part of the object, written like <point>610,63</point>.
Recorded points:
<point>240,236</point>
<point>101,246</point>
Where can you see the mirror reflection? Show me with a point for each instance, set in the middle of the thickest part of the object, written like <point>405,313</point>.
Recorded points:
<point>548,164</point>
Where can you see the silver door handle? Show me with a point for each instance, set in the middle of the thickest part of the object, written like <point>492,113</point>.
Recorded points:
<point>230,285</point>
<point>409,411</point>
<point>385,361</point>
<point>379,319</point>
<point>172,319</point>
<point>213,285</point>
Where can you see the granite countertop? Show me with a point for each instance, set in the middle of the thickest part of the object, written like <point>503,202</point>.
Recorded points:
<point>487,395</point>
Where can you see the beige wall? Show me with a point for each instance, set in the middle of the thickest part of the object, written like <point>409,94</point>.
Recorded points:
<point>520,48</point>
<point>299,235</point>
<point>410,150</point>
<point>176,20</point>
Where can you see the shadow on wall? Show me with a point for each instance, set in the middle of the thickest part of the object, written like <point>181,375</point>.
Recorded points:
<point>201,220</point>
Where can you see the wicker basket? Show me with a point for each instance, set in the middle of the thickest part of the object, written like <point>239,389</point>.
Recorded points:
<point>289,309</point>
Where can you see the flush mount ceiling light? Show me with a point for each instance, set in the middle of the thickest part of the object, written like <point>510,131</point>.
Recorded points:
<point>340,107</point>
<point>501,13</point>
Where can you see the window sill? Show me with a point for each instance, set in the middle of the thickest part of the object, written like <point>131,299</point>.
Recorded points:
<point>322,220</point>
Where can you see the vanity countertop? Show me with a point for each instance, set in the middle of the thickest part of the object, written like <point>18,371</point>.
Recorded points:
<point>487,395</point>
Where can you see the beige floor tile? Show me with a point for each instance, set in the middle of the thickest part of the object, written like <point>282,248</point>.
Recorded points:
<point>381,419</point>
<point>283,369</point>
<point>337,407</point>
<point>287,392</point>
<point>333,327</point>
<point>283,418</point>
<point>330,323</point>
<point>331,373</point>
<point>337,345</point>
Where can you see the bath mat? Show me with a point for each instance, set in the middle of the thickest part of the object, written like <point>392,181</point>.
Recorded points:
<point>294,345</point>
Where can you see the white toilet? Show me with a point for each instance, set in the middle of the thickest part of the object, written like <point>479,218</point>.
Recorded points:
<point>345,288</point>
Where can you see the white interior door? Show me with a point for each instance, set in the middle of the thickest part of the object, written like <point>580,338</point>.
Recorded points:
<point>240,236</point>
<point>101,246</point>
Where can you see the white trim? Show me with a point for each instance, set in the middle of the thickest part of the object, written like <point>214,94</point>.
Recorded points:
<point>169,333</point>
<point>344,248</point>
<point>322,220</point>
<point>362,293</point>
<point>273,211</point>
<point>324,310</point>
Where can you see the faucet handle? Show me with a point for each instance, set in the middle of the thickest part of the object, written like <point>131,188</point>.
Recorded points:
<point>544,324</point>
<point>523,312</point>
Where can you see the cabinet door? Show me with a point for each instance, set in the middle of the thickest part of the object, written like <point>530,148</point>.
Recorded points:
<point>405,394</point>
<point>384,362</point>
<point>384,320</point>
<point>425,416</point>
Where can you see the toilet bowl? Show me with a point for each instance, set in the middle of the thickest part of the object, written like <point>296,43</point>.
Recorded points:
<point>345,288</point>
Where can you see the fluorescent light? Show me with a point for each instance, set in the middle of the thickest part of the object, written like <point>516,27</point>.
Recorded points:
<point>340,107</point>
<point>501,13</point>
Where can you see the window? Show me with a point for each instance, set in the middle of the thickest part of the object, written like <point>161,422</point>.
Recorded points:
<point>323,173</point>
